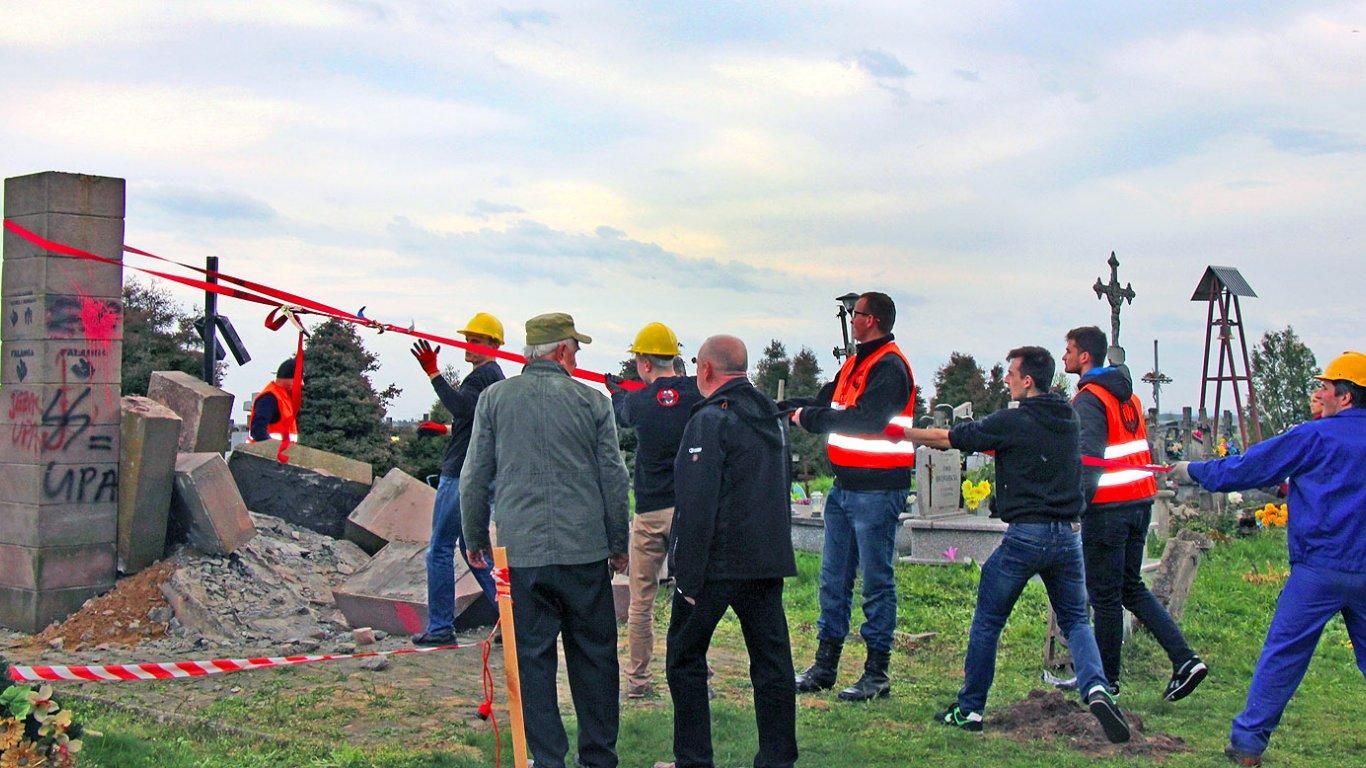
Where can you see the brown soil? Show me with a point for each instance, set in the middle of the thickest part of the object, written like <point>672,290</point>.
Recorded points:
<point>119,616</point>
<point>1051,714</point>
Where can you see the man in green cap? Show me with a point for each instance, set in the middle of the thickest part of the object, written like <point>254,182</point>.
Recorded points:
<point>547,446</point>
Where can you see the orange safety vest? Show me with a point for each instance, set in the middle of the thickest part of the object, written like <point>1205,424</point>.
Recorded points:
<point>1126,440</point>
<point>873,451</point>
<point>287,424</point>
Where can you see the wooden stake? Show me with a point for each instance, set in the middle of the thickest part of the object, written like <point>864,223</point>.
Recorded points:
<point>510,670</point>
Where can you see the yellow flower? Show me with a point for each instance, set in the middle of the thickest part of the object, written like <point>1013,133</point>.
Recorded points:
<point>11,732</point>
<point>26,755</point>
<point>974,495</point>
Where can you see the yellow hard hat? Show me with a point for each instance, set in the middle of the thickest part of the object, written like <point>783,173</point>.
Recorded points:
<point>1349,366</point>
<point>484,324</point>
<point>655,339</point>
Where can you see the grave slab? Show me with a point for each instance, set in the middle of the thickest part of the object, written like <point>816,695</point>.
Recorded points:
<point>205,410</point>
<point>305,457</point>
<point>149,435</point>
<point>390,593</point>
<point>316,499</point>
<point>206,505</point>
<point>398,508</point>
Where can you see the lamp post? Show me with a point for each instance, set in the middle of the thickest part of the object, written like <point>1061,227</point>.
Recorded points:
<point>846,302</point>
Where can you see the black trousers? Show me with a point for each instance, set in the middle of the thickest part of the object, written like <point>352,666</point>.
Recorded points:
<point>572,603</point>
<point>758,603</point>
<point>1112,543</point>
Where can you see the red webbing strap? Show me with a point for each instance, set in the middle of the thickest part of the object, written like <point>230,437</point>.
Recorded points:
<point>1096,461</point>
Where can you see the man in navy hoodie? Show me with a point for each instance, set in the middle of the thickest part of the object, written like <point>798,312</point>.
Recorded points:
<point>1038,493</point>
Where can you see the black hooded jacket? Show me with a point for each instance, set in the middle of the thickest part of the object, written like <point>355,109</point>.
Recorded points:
<point>732,511</point>
<point>1038,461</point>
<point>1095,426</point>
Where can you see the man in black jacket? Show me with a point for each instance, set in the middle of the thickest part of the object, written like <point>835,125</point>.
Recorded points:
<point>1114,529</point>
<point>731,548</point>
<point>484,330</point>
<point>1038,493</point>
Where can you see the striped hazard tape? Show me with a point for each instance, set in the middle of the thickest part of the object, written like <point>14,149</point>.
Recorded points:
<point>170,670</point>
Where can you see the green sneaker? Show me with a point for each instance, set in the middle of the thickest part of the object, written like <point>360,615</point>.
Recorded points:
<point>955,717</point>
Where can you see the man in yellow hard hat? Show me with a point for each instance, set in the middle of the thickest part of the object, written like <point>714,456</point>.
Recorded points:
<point>658,413</point>
<point>486,331</point>
<point>1325,460</point>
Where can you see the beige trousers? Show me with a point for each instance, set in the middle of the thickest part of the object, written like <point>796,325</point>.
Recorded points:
<point>649,548</point>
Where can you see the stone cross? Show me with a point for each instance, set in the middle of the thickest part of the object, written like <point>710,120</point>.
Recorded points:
<point>1116,296</point>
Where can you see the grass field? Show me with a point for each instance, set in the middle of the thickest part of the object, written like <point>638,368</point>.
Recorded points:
<point>292,720</point>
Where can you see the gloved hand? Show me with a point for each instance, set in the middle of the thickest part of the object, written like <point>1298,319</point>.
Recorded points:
<point>426,357</point>
<point>432,429</point>
<point>1181,473</point>
<point>894,432</point>
<point>613,383</point>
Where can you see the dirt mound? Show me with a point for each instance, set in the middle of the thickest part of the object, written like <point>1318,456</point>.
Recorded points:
<point>133,611</point>
<point>1051,714</point>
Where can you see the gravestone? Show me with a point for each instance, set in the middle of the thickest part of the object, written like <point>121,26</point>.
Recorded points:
<point>938,481</point>
<point>61,323</point>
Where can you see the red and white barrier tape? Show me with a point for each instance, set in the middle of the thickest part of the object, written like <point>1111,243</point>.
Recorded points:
<point>170,670</point>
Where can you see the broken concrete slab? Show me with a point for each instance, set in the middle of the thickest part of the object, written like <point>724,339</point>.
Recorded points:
<point>390,593</point>
<point>205,410</point>
<point>147,439</point>
<point>206,505</point>
<point>398,508</point>
<point>316,489</point>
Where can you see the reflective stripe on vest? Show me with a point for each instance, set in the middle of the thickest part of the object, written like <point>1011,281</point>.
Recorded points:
<point>870,451</point>
<point>1125,445</point>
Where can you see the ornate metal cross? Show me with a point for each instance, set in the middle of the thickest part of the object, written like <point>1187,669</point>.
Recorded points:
<point>1116,295</point>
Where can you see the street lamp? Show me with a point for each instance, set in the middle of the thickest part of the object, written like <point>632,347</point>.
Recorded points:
<point>847,302</point>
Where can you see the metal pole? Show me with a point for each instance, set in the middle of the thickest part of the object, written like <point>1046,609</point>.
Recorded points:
<point>211,323</point>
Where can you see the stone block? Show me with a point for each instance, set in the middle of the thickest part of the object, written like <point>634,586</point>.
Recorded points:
<point>28,610</point>
<point>55,191</point>
<point>205,410</point>
<point>44,316</point>
<point>398,508</point>
<point>390,593</point>
<point>304,457</point>
<point>311,498</point>
<point>148,438</point>
<point>54,484</point>
<point>101,236</point>
<point>37,525</point>
<point>44,568</point>
<point>206,505</point>
<point>62,361</point>
<point>35,277</point>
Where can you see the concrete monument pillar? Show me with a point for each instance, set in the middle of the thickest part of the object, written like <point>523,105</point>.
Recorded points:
<point>59,397</point>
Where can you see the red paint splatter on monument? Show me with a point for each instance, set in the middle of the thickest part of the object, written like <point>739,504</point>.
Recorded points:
<point>100,322</point>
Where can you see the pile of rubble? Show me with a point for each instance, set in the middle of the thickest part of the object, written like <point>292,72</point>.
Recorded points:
<point>250,553</point>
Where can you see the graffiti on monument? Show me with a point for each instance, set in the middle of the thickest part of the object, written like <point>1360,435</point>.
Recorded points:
<point>56,425</point>
<point>66,484</point>
<point>79,316</point>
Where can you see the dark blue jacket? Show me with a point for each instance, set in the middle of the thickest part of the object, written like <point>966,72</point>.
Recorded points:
<point>658,413</point>
<point>460,402</point>
<point>733,513</point>
<point>1326,463</point>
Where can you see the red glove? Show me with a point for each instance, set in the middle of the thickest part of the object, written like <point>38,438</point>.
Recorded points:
<point>894,432</point>
<point>432,428</point>
<point>426,357</point>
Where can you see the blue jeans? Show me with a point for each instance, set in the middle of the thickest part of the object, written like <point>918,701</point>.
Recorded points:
<point>1053,552</point>
<point>860,528</point>
<point>446,536</point>
<point>1310,598</point>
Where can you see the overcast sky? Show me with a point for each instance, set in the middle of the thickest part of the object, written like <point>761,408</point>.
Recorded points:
<point>723,167</point>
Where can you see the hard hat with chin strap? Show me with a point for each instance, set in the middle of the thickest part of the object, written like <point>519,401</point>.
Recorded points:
<point>1349,366</point>
<point>655,339</point>
<point>484,324</point>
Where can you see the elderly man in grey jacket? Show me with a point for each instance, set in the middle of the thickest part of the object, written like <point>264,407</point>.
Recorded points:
<point>548,446</point>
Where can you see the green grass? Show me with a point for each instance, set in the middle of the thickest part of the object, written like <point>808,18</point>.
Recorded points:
<point>1225,621</point>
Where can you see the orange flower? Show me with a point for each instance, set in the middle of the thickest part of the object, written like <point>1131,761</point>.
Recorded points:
<point>26,755</point>
<point>11,732</point>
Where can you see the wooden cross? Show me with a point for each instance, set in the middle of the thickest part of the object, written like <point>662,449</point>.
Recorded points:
<point>1156,378</point>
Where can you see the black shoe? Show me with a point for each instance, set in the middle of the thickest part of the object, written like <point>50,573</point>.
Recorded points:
<point>1242,758</point>
<point>1104,709</point>
<point>821,675</point>
<point>434,638</point>
<point>955,717</point>
<point>1185,679</point>
<point>874,684</point>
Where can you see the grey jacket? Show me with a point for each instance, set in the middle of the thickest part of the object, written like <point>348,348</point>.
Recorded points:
<point>547,447</point>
